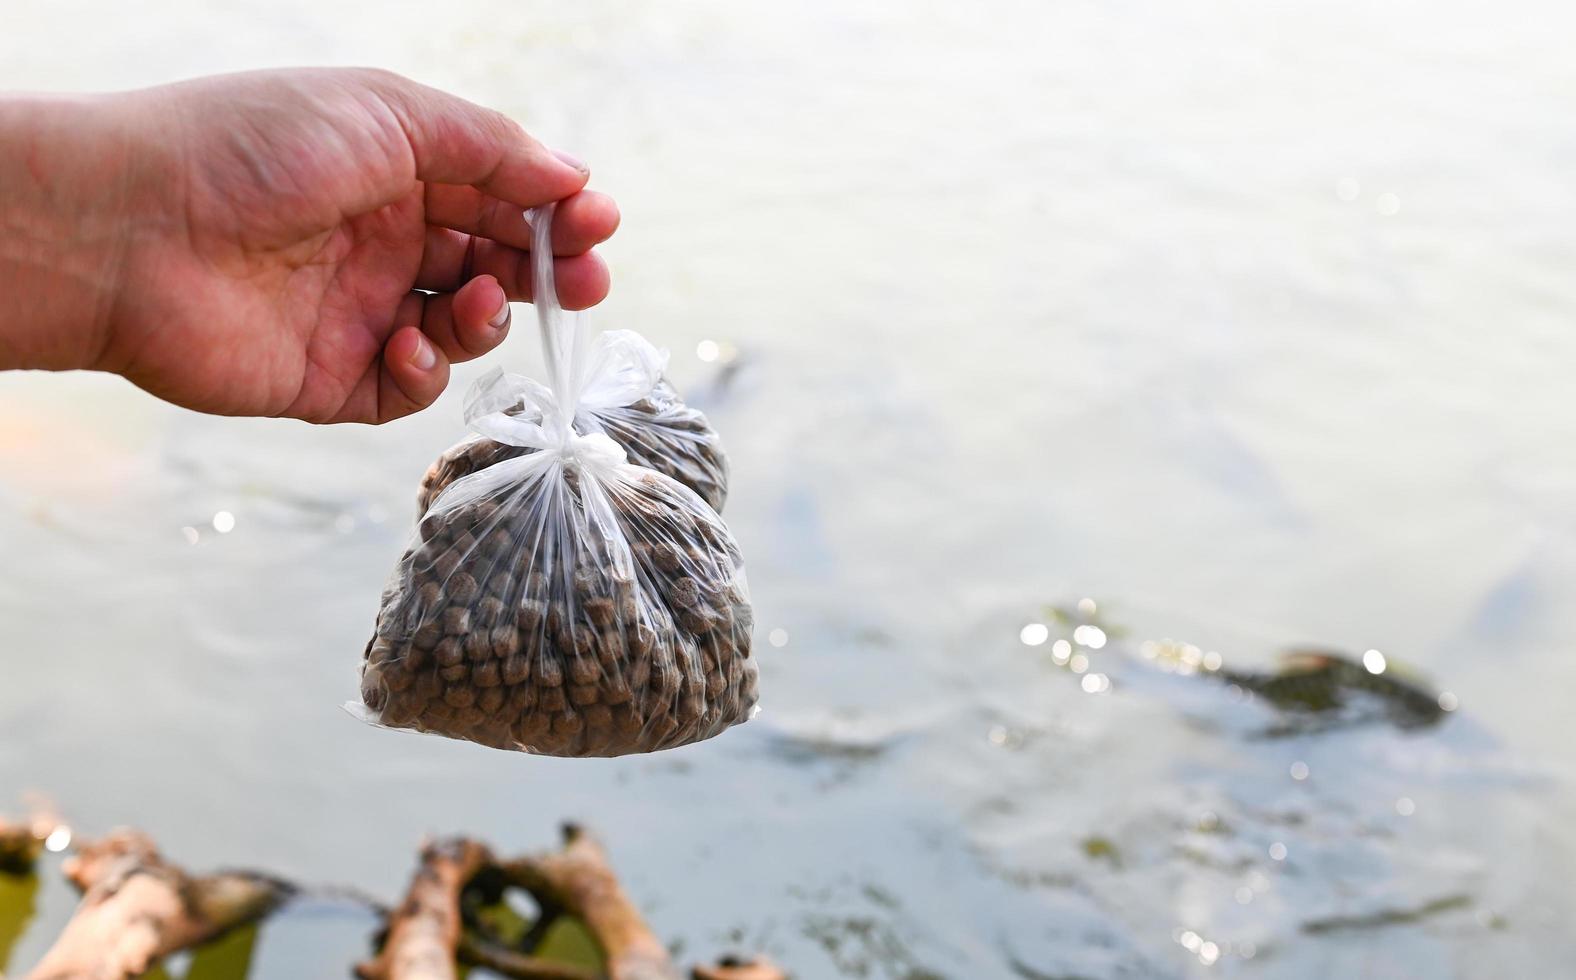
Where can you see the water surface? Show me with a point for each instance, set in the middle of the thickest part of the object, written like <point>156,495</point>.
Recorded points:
<point>1250,322</point>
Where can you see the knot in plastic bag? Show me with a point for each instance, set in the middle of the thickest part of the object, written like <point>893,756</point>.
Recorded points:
<point>595,447</point>
<point>513,409</point>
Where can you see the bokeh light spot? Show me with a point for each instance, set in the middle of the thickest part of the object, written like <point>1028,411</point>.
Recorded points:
<point>1374,662</point>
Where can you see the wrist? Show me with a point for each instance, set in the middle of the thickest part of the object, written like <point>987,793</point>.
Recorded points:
<point>66,184</point>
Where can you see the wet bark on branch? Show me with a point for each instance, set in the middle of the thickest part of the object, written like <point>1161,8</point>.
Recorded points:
<point>137,908</point>
<point>424,930</point>
<point>579,881</point>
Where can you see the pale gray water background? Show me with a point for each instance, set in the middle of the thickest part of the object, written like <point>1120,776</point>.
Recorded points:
<point>1251,321</point>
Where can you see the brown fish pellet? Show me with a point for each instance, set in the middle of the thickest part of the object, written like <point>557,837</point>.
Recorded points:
<point>667,557</point>
<point>478,646</point>
<point>615,689</point>
<point>432,526</point>
<point>428,686</point>
<point>374,691</point>
<point>492,701</point>
<point>639,674</point>
<point>516,668</point>
<point>626,722</point>
<point>402,709</point>
<point>486,675</point>
<point>427,636</point>
<point>552,699</point>
<point>449,652</point>
<point>698,619</point>
<point>532,612</point>
<point>398,676</point>
<point>430,595</point>
<point>461,587</point>
<point>530,727</point>
<point>685,592</point>
<point>497,543</point>
<point>505,641</point>
<point>446,563</point>
<point>521,700</point>
<point>490,611</point>
<point>602,611</point>
<point>585,670</point>
<point>550,671</point>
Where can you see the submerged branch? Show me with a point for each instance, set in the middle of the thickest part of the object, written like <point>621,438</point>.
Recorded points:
<point>424,931</point>
<point>519,966</point>
<point>579,881</point>
<point>138,908</point>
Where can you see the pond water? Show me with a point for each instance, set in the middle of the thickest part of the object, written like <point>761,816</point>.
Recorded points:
<point>1247,322</point>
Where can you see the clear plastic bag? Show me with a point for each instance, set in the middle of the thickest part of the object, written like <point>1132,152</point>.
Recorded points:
<point>559,599</point>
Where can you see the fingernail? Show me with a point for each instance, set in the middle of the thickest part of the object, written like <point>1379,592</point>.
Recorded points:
<point>424,358</point>
<point>501,318</point>
<point>572,160</point>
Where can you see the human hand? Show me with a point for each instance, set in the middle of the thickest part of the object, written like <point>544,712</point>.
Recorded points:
<point>258,244</point>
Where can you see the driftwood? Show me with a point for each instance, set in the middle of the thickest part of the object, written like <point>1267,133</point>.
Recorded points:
<point>138,908</point>
<point>424,931</point>
<point>579,881</point>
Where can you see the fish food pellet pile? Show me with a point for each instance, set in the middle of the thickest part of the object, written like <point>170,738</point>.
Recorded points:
<point>658,432</point>
<point>519,622</point>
